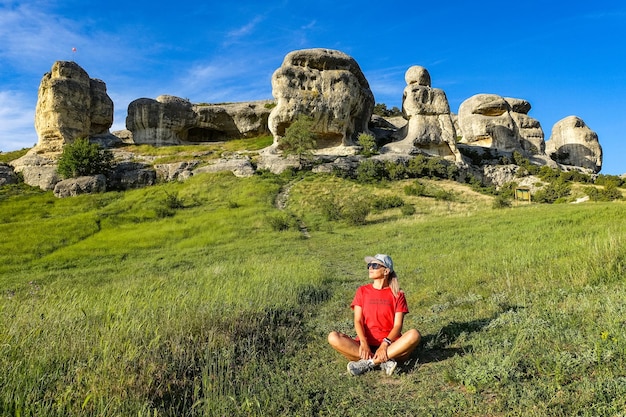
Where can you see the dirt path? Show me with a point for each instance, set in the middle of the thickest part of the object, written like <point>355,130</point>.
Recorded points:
<point>281,204</point>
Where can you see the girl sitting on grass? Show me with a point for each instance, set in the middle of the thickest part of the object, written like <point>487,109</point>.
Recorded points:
<point>379,309</point>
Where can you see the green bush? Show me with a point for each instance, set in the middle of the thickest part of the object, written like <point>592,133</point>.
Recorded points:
<point>370,171</point>
<point>416,189</point>
<point>501,202</point>
<point>368,142</point>
<point>299,139</point>
<point>407,209</point>
<point>356,212</point>
<point>280,222</point>
<point>396,170</point>
<point>608,193</point>
<point>84,158</point>
<point>387,202</point>
<point>552,193</point>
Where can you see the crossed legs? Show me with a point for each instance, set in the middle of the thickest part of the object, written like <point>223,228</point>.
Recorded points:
<point>399,350</point>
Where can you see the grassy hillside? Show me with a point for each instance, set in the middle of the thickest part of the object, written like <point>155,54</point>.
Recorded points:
<point>202,298</point>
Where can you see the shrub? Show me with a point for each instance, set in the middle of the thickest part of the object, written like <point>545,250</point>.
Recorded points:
<point>299,139</point>
<point>84,158</point>
<point>368,142</point>
<point>387,202</point>
<point>280,222</point>
<point>330,208</point>
<point>380,109</point>
<point>407,209</point>
<point>172,201</point>
<point>416,189</point>
<point>608,193</point>
<point>370,171</point>
<point>553,192</point>
<point>443,195</point>
<point>501,202</point>
<point>396,170</point>
<point>356,212</point>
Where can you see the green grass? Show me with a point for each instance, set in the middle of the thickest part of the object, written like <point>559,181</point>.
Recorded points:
<point>109,307</point>
<point>205,152</point>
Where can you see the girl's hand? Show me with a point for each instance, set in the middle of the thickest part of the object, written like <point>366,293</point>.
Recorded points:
<point>381,353</point>
<point>364,351</point>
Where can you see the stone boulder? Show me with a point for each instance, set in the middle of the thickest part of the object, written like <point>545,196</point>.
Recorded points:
<point>239,165</point>
<point>37,170</point>
<point>430,128</point>
<point>130,175</point>
<point>70,105</point>
<point>326,85</point>
<point>176,170</point>
<point>572,142</point>
<point>492,121</point>
<point>530,133</point>
<point>7,175</point>
<point>81,185</point>
<point>170,120</point>
<point>160,122</point>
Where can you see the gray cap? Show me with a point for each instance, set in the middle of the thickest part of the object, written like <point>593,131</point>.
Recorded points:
<point>382,259</point>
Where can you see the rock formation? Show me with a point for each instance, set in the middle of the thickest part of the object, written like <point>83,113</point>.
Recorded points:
<point>530,133</point>
<point>170,120</point>
<point>70,105</point>
<point>37,170</point>
<point>7,175</point>
<point>491,121</point>
<point>572,142</point>
<point>430,128</point>
<point>81,185</point>
<point>327,85</point>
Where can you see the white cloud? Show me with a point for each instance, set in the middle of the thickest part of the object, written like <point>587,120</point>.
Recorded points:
<point>17,125</point>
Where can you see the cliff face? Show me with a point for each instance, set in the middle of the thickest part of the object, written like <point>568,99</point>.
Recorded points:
<point>70,105</point>
<point>324,84</point>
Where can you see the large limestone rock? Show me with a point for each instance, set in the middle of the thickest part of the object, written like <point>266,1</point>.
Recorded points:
<point>7,175</point>
<point>572,142</point>
<point>529,130</point>
<point>37,170</point>
<point>430,128</point>
<point>170,120</point>
<point>82,185</point>
<point>327,85</point>
<point>160,122</point>
<point>492,121</point>
<point>70,105</point>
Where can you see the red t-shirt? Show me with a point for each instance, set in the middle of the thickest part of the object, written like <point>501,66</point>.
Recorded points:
<point>379,309</point>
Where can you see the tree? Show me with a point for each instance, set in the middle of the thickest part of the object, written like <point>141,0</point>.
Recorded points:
<point>368,142</point>
<point>84,158</point>
<point>299,139</point>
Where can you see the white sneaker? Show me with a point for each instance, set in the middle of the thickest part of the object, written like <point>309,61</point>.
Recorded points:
<point>389,366</point>
<point>361,366</point>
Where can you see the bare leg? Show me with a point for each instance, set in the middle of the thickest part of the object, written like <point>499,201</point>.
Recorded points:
<point>401,348</point>
<point>345,345</point>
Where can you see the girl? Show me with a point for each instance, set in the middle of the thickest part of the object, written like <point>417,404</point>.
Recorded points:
<point>379,309</point>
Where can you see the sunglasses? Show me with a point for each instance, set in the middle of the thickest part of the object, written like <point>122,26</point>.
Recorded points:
<point>375,266</point>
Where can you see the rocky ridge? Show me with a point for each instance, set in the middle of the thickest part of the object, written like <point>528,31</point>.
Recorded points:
<point>324,84</point>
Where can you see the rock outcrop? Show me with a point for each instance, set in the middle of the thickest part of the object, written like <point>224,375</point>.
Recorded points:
<point>492,121</point>
<point>7,175</point>
<point>81,185</point>
<point>572,142</point>
<point>37,170</point>
<point>326,85</point>
<point>170,120</point>
<point>70,105</point>
<point>430,128</point>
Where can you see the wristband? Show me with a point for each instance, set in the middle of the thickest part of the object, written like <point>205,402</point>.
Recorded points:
<point>387,340</point>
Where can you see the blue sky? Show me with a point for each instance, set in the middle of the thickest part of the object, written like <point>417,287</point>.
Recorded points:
<point>565,57</point>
